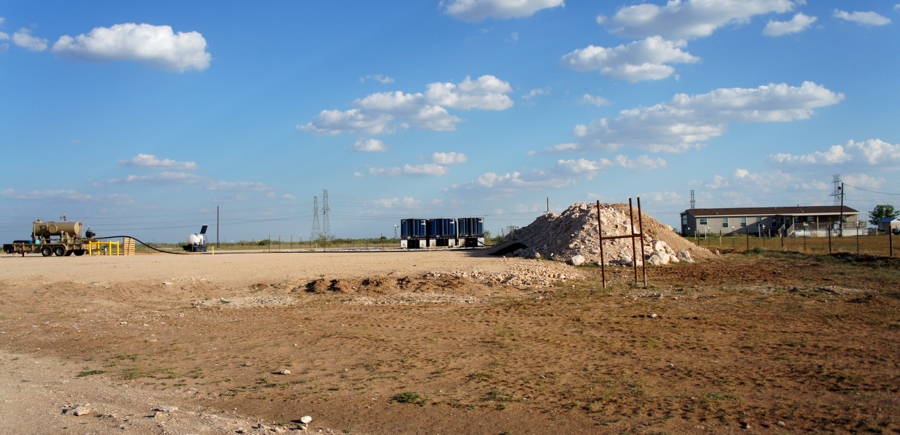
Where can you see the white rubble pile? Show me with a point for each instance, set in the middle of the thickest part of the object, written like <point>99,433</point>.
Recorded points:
<point>573,237</point>
<point>539,274</point>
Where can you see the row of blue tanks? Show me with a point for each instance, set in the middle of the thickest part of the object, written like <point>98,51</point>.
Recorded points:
<point>417,233</point>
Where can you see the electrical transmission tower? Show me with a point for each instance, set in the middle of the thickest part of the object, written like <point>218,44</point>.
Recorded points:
<point>838,192</point>
<point>316,232</point>
<point>693,204</point>
<point>326,227</point>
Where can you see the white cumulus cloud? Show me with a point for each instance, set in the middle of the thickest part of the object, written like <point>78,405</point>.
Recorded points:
<point>690,120</point>
<point>688,18</point>
<point>3,37</point>
<point>150,161</point>
<point>581,167</point>
<point>353,120</point>
<point>23,39</point>
<point>65,196</point>
<point>189,179</point>
<point>647,59</point>
<point>563,148</point>
<point>383,79</point>
<point>406,201</point>
<point>425,169</point>
<point>369,146</point>
<point>563,173</point>
<point>430,169</point>
<point>477,10</point>
<point>863,18</point>
<point>451,158</point>
<point>593,100</point>
<point>161,178</point>
<point>641,163</point>
<point>864,180</point>
<point>155,46</point>
<point>744,188</point>
<point>872,152</point>
<point>486,93</point>
<point>389,112</point>
<point>799,23</point>
<point>493,185</point>
<point>535,92</point>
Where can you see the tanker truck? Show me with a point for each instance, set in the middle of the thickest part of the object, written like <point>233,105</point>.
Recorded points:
<point>53,238</point>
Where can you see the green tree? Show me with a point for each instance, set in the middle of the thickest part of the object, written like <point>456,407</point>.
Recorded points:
<point>882,211</point>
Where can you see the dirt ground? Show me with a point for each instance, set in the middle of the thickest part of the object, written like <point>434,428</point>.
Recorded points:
<point>447,342</point>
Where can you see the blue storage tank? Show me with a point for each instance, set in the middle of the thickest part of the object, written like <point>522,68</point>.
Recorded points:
<point>413,228</point>
<point>442,228</point>
<point>470,227</point>
<point>421,228</point>
<point>434,228</point>
<point>404,228</point>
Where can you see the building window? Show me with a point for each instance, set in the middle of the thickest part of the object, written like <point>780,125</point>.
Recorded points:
<point>758,219</point>
<point>703,221</point>
<point>743,222</point>
<point>725,222</point>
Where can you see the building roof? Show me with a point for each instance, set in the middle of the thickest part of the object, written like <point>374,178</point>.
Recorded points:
<point>772,211</point>
<point>888,219</point>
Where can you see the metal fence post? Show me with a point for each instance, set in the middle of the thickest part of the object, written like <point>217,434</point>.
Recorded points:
<point>600,235</point>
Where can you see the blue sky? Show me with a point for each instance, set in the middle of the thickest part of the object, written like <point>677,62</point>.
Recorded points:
<point>142,118</point>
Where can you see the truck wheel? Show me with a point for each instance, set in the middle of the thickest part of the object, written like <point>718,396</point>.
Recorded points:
<point>59,251</point>
<point>79,252</point>
<point>46,251</point>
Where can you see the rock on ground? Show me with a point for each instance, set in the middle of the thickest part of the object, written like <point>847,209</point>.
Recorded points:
<point>575,233</point>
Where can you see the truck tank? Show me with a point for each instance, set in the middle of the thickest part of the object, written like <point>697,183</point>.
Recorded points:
<point>46,230</point>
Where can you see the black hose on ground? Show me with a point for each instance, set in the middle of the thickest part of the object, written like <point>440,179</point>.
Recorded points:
<point>139,241</point>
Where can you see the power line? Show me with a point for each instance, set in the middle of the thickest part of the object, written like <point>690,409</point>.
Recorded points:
<point>872,191</point>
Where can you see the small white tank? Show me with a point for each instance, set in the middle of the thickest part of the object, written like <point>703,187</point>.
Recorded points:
<point>196,239</point>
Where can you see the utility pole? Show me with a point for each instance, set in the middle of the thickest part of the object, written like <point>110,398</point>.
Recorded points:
<point>841,223</point>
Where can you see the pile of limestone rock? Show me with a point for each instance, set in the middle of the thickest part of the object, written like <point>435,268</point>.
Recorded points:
<point>516,275</point>
<point>573,237</point>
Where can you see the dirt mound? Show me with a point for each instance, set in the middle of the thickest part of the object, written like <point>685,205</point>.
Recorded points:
<point>574,232</point>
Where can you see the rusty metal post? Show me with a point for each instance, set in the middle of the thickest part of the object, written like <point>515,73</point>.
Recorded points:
<point>600,235</point>
<point>641,229</point>
<point>633,249</point>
